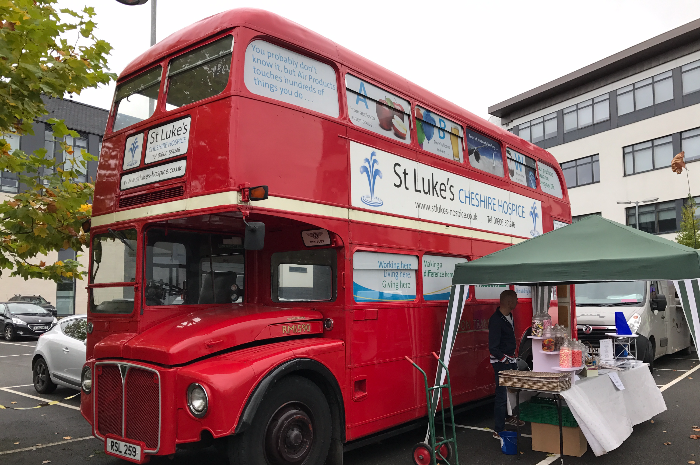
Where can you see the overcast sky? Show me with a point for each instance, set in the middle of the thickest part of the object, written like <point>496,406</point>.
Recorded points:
<point>474,53</point>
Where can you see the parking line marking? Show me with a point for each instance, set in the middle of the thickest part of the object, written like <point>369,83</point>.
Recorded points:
<point>17,344</point>
<point>684,375</point>
<point>668,369</point>
<point>44,400</point>
<point>21,385</point>
<point>17,355</point>
<point>45,445</point>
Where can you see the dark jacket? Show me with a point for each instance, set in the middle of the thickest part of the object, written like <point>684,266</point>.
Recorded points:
<point>501,337</point>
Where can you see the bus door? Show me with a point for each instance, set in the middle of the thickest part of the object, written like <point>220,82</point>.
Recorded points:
<point>383,331</point>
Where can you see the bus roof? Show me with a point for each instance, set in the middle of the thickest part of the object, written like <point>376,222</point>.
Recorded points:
<point>277,26</point>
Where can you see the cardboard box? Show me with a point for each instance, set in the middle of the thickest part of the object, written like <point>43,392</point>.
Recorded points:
<point>545,438</point>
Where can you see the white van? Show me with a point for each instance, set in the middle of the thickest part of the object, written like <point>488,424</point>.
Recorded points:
<point>654,304</point>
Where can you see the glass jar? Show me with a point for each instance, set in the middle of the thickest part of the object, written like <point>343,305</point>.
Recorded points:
<point>559,334</point>
<point>537,325</point>
<point>565,353</point>
<point>576,354</point>
<point>548,341</point>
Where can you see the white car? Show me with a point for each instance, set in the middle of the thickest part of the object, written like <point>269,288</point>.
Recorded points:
<point>60,355</point>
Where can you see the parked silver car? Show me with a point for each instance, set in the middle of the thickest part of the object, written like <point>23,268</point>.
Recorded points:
<point>60,355</point>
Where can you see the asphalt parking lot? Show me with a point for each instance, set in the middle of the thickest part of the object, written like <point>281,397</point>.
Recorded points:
<point>58,434</point>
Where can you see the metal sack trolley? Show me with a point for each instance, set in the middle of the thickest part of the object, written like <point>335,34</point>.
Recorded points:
<point>438,449</point>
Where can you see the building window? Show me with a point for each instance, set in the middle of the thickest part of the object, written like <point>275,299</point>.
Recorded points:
<point>53,148</point>
<point>9,181</point>
<point>575,219</point>
<point>690,74</point>
<point>647,156</point>
<point>645,93</point>
<point>77,144</point>
<point>582,171</point>
<point>690,144</point>
<point>538,129</point>
<point>657,218</point>
<point>586,113</point>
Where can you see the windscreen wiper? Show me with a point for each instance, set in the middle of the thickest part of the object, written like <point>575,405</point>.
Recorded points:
<point>122,239</point>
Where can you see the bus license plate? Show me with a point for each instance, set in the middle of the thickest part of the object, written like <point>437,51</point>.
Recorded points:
<point>124,450</point>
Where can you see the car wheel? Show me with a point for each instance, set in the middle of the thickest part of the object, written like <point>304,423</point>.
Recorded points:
<point>41,377</point>
<point>10,334</point>
<point>291,427</point>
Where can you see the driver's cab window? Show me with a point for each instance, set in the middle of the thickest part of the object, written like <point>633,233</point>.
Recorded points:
<point>189,268</point>
<point>304,275</point>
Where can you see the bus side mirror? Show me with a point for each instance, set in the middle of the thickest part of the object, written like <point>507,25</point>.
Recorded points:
<point>254,236</point>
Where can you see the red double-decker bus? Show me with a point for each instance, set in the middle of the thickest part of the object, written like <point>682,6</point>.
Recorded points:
<point>276,224</point>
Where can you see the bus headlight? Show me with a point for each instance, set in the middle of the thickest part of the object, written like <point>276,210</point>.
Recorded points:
<point>86,379</point>
<point>197,400</point>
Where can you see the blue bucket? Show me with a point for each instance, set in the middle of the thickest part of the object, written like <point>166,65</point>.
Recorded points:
<point>509,442</point>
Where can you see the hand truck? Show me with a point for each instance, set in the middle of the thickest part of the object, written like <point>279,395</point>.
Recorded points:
<point>438,449</point>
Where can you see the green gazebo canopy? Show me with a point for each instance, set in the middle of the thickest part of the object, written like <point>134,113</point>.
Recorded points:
<point>593,249</point>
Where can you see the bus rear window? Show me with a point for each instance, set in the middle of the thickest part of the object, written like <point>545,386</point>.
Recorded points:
<point>135,99</point>
<point>199,74</point>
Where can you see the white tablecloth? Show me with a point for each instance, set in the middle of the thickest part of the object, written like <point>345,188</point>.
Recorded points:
<point>605,414</point>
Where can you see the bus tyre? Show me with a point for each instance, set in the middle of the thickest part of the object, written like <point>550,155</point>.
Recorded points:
<point>291,427</point>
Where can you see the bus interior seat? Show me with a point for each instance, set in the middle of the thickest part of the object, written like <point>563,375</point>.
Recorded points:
<point>222,288</point>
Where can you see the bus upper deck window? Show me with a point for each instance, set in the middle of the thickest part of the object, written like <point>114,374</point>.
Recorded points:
<point>135,99</point>
<point>522,169</point>
<point>484,153</point>
<point>549,181</point>
<point>199,74</point>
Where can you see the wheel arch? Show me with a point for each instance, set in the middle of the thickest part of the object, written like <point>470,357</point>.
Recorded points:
<point>313,370</point>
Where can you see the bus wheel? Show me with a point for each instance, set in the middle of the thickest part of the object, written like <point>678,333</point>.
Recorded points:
<point>292,426</point>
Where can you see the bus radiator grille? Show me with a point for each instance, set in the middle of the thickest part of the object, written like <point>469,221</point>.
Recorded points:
<point>109,400</point>
<point>149,197</point>
<point>143,407</point>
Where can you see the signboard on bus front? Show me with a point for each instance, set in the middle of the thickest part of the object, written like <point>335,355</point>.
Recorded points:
<point>387,183</point>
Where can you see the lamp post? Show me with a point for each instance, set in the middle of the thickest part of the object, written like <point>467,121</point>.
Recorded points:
<point>636,207</point>
<point>153,14</point>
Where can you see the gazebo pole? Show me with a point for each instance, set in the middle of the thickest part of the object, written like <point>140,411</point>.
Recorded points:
<point>572,293</point>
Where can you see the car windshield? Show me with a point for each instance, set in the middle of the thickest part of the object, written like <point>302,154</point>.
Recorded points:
<point>619,293</point>
<point>38,300</point>
<point>26,309</point>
